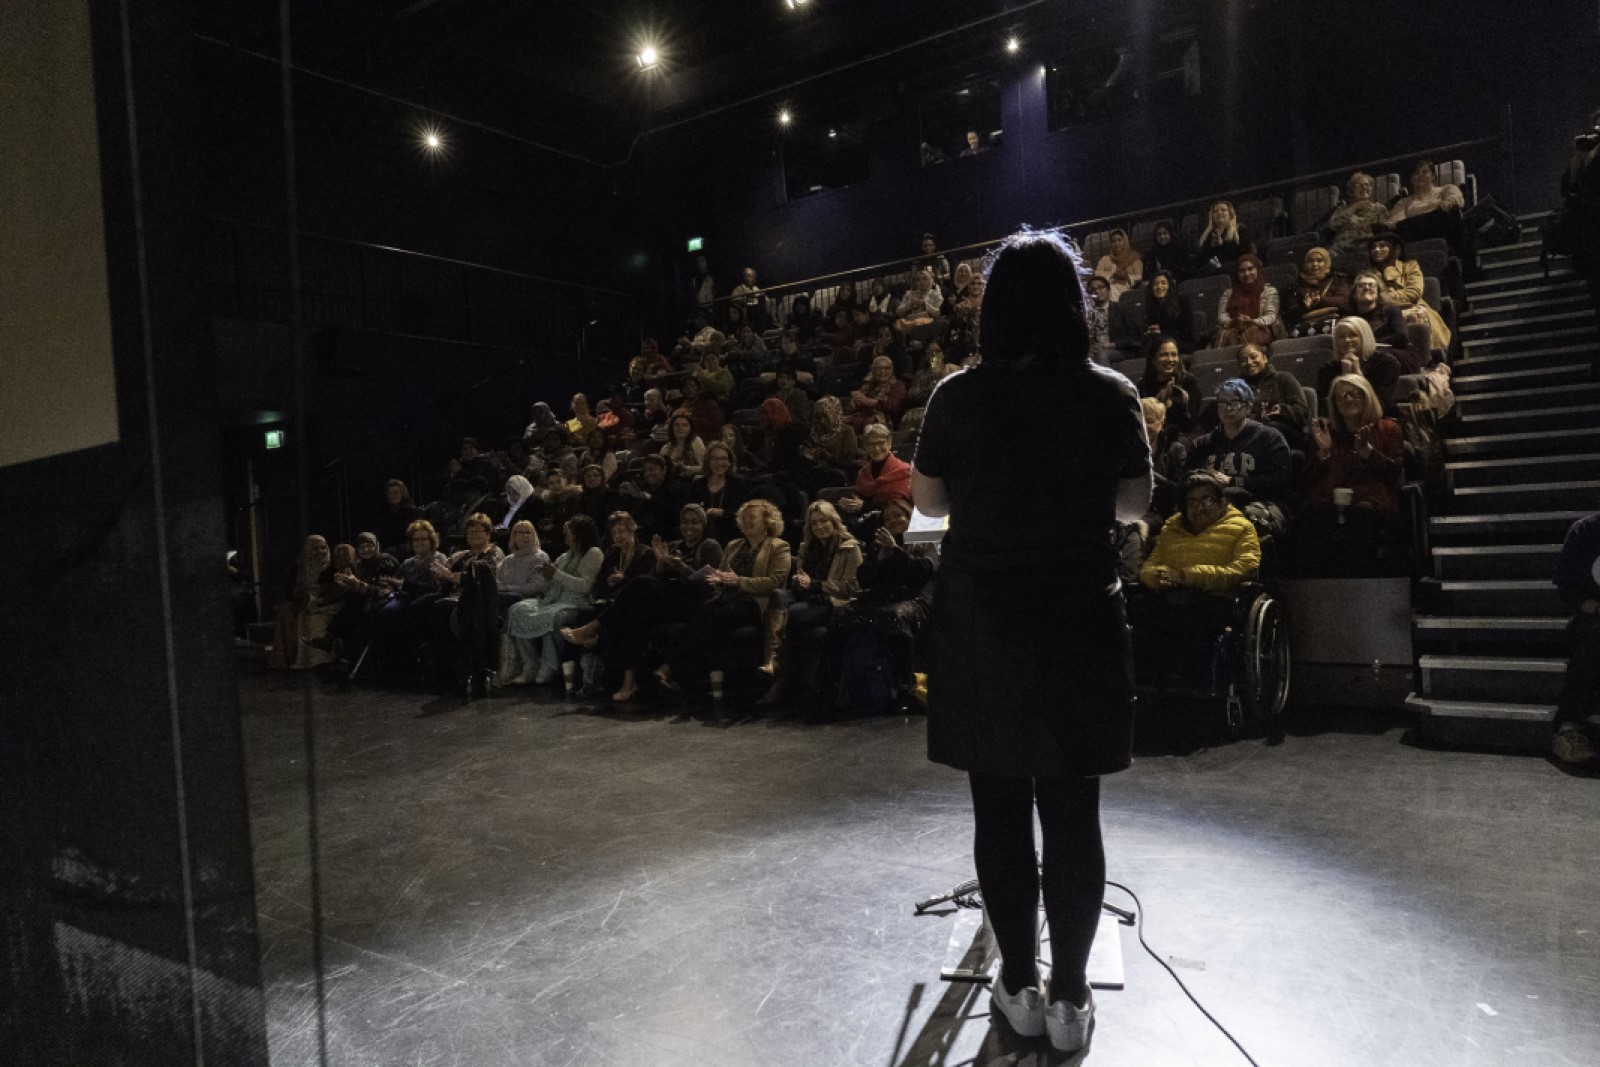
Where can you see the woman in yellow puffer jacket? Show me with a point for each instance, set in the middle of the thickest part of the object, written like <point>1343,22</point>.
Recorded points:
<point>1208,546</point>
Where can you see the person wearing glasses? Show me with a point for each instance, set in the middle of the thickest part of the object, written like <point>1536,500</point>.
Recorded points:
<point>1252,456</point>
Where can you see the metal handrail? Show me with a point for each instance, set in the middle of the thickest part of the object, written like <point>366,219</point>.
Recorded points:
<point>1155,211</point>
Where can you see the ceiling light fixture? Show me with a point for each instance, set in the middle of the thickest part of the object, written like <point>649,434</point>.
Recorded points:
<point>431,140</point>
<point>795,3</point>
<point>647,57</point>
<point>1013,45</point>
<point>784,118</point>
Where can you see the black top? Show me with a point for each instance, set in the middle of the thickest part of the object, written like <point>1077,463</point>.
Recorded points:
<point>1005,433</point>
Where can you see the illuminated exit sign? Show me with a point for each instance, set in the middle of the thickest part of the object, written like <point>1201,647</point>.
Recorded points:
<point>696,243</point>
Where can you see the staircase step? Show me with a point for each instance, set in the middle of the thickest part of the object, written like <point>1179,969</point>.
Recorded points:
<point>1528,398</point>
<point>1491,298</point>
<point>1481,709</point>
<point>1520,341</point>
<point>1563,417</point>
<point>1489,285</point>
<point>1542,496</point>
<point>1531,562</point>
<point>1469,472</point>
<point>1521,260</point>
<point>1468,385</point>
<point>1526,358</point>
<point>1490,596</point>
<point>1522,443</point>
<point>1519,247</point>
<point>1491,325</point>
<point>1490,633</point>
<point>1487,678</point>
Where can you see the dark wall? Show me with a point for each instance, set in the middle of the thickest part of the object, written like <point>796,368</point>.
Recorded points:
<point>1290,89</point>
<point>126,892</point>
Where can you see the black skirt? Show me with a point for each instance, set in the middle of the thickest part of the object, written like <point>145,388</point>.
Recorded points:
<point>1029,675</point>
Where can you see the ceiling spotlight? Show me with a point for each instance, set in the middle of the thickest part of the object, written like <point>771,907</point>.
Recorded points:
<point>1013,45</point>
<point>795,3</point>
<point>647,57</point>
<point>431,140</point>
<point>833,133</point>
<point>784,118</point>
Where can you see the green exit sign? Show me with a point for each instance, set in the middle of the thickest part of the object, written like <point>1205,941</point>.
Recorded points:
<point>696,243</point>
<point>274,438</point>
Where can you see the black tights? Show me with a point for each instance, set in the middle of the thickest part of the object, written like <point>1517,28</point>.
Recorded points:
<point>1074,874</point>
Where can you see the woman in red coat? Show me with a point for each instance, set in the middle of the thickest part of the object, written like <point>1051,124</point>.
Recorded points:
<point>1350,526</point>
<point>884,476</point>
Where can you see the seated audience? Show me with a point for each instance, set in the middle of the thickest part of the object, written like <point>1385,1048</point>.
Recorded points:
<point>803,321</point>
<point>1388,324</point>
<point>1254,458</point>
<point>1403,284</point>
<point>748,297</point>
<point>654,498</point>
<point>532,623</point>
<point>1168,380</point>
<point>883,476</point>
<point>521,501</point>
<point>932,262</point>
<point>843,335</point>
<point>597,452</point>
<point>1166,316</point>
<point>396,627</point>
<point>1318,298</point>
<point>832,445</point>
<point>718,492</point>
<point>616,421</point>
<point>559,502</point>
<point>895,590</point>
<point>1248,311</point>
<point>466,607</point>
<point>1350,225</point>
<point>730,436</point>
<point>880,303</point>
<point>309,594</point>
<point>884,344</point>
<point>582,421</point>
<point>753,568</point>
<point>748,352</point>
<point>1355,352</point>
<point>520,574</point>
<point>655,415</point>
<point>824,581</point>
<point>365,587</point>
<point>705,414</point>
<point>684,447</point>
<point>1098,313</point>
<point>1221,242</point>
<point>1122,267</point>
<point>1279,400</point>
<point>1201,557</point>
<point>599,500</point>
<point>882,394</point>
<point>1167,253</point>
<point>544,420</point>
<point>673,589</point>
<point>920,306</point>
<point>1350,524</point>
<point>796,399</point>
<point>716,381</point>
<point>1577,580</point>
<point>960,285</point>
<point>1431,210</point>
<point>932,369</point>
<point>398,513</point>
<point>961,330</point>
<point>778,450</point>
<point>471,462</point>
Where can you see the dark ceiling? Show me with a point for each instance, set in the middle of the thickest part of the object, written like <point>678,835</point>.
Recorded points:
<point>564,73</point>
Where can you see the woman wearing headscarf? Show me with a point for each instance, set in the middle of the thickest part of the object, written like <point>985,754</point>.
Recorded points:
<point>1318,298</point>
<point>520,501</point>
<point>1122,267</point>
<point>1403,284</point>
<point>881,394</point>
<point>1352,221</point>
<point>544,420</point>
<point>306,591</point>
<point>1248,311</point>
<point>832,442</point>
<point>1359,450</point>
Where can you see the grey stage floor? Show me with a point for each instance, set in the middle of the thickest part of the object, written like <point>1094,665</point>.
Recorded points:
<point>519,882</point>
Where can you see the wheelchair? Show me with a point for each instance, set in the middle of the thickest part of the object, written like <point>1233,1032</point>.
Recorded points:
<point>1234,652</point>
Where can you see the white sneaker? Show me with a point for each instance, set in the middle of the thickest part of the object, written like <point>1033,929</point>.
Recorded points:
<point>1069,1024</point>
<point>1024,1010</point>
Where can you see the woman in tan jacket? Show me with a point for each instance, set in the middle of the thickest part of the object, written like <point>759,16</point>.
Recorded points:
<point>754,567</point>
<point>1403,284</point>
<point>824,580</point>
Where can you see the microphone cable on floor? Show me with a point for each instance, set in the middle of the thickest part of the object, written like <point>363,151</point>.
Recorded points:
<point>1138,927</point>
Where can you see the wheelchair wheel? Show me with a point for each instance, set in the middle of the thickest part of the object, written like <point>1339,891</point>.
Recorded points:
<point>1266,660</point>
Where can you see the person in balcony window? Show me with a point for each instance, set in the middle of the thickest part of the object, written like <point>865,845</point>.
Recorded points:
<point>1167,253</point>
<point>1351,223</point>
<point>1319,297</point>
<point>1403,284</point>
<point>1577,580</point>
<point>1122,267</point>
<point>920,306</point>
<point>1350,525</point>
<point>1279,400</point>
<point>932,262</point>
<point>1222,241</point>
<point>1248,311</point>
<point>975,145</point>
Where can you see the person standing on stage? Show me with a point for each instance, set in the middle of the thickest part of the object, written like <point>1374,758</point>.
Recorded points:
<point>1030,685</point>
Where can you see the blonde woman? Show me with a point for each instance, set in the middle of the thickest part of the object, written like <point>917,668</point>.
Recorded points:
<point>754,567</point>
<point>1222,241</point>
<point>824,580</point>
<point>1356,352</point>
<point>1349,526</point>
